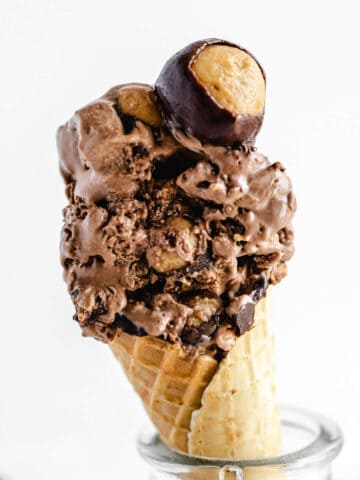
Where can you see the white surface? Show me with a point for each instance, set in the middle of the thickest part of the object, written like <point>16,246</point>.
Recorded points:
<point>66,408</point>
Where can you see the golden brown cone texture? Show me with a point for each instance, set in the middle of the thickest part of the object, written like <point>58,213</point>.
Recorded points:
<point>239,417</point>
<point>169,385</point>
<point>206,408</point>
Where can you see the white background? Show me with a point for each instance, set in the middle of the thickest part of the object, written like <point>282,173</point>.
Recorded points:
<point>66,410</point>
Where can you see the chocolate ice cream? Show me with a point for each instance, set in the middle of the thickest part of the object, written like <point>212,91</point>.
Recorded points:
<point>166,234</point>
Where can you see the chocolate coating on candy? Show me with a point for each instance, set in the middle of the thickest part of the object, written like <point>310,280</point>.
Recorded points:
<point>205,109</point>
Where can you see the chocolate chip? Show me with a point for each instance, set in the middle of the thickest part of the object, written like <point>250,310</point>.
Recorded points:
<point>127,326</point>
<point>192,335</point>
<point>175,165</point>
<point>128,123</point>
<point>245,318</point>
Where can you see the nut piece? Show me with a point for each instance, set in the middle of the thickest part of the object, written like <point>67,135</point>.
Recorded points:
<point>167,261</point>
<point>139,101</point>
<point>232,77</point>
<point>225,337</point>
<point>215,91</point>
<point>203,309</point>
<point>172,247</point>
<point>180,223</point>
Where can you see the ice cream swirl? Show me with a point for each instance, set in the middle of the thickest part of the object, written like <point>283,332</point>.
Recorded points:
<point>165,235</point>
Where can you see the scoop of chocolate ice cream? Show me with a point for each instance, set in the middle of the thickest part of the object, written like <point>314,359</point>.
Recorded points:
<point>167,236</point>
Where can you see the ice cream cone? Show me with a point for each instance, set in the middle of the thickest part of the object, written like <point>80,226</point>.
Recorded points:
<point>239,417</point>
<point>203,407</point>
<point>176,225</point>
<point>170,385</point>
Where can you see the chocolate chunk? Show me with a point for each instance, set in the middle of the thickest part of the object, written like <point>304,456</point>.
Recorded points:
<point>245,318</point>
<point>192,335</point>
<point>174,165</point>
<point>127,326</point>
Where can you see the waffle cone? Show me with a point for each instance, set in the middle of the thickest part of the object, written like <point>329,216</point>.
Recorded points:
<point>204,407</point>
<point>169,384</point>
<point>239,417</point>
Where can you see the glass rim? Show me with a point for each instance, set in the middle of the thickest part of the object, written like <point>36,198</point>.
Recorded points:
<point>325,445</point>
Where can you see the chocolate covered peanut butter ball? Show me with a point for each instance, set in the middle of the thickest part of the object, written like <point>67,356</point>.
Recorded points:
<point>215,91</point>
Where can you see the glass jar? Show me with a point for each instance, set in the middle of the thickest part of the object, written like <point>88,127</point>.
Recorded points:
<point>310,443</point>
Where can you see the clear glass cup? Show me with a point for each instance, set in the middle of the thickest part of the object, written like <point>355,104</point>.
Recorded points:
<point>310,443</point>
